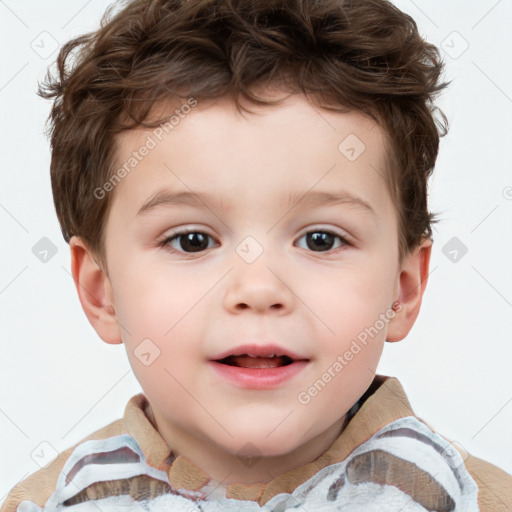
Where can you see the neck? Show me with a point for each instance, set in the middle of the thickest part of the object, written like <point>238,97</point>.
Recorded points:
<point>247,468</point>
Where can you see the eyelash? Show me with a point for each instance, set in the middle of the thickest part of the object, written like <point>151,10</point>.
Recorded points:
<point>166,241</point>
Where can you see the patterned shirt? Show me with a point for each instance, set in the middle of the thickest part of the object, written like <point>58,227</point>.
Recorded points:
<point>385,459</point>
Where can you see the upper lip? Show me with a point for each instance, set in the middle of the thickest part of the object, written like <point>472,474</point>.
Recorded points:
<point>258,350</point>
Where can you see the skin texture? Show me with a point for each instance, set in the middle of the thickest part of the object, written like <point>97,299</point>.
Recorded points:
<point>195,305</point>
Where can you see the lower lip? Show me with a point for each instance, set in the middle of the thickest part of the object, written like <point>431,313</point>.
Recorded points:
<point>258,378</point>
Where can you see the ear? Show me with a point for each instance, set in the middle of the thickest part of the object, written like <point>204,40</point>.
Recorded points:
<point>94,291</point>
<point>412,283</point>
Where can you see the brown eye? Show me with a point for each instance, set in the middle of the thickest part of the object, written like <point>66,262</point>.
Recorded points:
<point>322,241</point>
<point>188,241</point>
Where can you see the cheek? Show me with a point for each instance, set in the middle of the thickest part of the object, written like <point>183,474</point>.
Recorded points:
<point>160,332</point>
<point>151,304</point>
<point>351,299</point>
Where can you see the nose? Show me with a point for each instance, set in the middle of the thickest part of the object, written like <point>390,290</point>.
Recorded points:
<point>258,287</point>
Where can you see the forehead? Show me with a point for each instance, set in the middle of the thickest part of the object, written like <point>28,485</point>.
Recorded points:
<point>294,146</point>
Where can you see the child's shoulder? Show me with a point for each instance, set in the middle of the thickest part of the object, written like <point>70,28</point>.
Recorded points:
<point>41,484</point>
<point>108,453</point>
<point>392,446</point>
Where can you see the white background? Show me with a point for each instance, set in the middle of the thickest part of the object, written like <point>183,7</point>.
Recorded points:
<point>59,382</point>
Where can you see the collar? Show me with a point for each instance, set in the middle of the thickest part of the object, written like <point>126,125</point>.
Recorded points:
<point>384,401</point>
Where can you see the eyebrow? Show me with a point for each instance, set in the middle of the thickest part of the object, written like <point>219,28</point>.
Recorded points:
<point>310,199</point>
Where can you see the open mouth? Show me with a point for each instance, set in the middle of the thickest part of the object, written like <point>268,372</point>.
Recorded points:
<point>258,367</point>
<point>250,361</point>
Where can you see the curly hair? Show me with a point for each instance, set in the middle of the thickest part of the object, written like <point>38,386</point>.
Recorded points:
<point>362,55</point>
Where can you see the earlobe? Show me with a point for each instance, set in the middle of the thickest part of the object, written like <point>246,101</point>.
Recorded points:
<point>412,283</point>
<point>94,291</point>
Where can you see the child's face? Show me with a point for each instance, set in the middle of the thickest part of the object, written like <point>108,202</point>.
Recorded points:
<point>182,308</point>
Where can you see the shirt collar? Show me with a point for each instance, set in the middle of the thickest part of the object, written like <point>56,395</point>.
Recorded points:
<point>384,401</point>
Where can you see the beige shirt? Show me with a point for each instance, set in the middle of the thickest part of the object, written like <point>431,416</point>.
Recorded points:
<point>383,443</point>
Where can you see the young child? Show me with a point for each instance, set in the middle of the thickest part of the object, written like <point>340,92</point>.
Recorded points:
<point>243,185</point>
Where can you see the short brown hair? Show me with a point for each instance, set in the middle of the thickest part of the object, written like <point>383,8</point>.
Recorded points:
<point>363,55</point>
